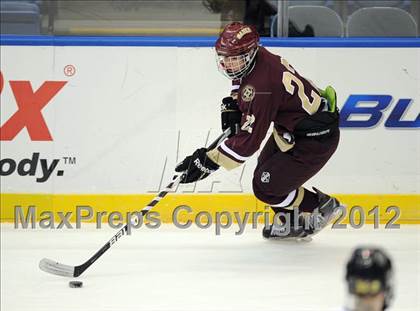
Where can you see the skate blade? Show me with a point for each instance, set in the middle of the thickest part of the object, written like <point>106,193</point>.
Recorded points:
<point>306,239</point>
<point>335,214</point>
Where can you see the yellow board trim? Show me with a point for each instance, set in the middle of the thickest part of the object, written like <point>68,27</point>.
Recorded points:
<point>408,204</point>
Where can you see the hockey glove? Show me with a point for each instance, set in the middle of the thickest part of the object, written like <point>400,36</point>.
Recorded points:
<point>196,166</point>
<point>231,115</point>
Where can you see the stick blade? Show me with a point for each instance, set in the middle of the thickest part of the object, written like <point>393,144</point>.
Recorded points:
<point>53,267</point>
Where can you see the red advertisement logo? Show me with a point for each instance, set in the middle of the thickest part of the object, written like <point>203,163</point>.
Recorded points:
<point>29,114</point>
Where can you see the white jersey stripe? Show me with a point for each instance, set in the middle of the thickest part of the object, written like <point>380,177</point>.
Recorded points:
<point>232,153</point>
<point>287,201</point>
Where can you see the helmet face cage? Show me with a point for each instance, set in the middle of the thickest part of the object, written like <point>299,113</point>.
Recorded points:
<point>369,294</point>
<point>235,67</point>
<point>369,273</point>
<point>365,287</point>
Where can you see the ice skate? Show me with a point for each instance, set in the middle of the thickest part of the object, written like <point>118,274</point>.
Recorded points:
<point>322,215</point>
<point>308,224</point>
<point>281,232</point>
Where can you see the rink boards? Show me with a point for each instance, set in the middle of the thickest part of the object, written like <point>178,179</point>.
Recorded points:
<point>102,122</point>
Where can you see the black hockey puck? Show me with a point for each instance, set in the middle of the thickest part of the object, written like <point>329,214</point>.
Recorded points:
<point>75,284</point>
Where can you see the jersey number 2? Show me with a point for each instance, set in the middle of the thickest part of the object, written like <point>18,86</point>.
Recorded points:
<point>288,77</point>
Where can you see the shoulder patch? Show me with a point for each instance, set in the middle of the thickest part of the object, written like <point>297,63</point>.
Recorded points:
<point>248,93</point>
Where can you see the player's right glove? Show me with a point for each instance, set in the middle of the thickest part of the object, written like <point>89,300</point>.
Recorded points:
<point>231,115</point>
<point>196,166</point>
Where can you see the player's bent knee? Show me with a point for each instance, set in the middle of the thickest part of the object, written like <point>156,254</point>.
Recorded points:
<point>265,195</point>
<point>260,196</point>
<point>258,192</point>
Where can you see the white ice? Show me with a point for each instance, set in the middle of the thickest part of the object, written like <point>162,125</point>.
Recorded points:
<point>175,269</point>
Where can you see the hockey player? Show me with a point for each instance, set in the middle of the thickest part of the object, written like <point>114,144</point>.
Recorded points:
<point>266,89</point>
<point>369,278</point>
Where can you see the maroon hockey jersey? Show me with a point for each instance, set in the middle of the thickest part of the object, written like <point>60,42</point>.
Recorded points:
<point>273,91</point>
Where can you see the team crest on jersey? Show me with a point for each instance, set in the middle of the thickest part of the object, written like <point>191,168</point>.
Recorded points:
<point>248,93</point>
<point>265,177</point>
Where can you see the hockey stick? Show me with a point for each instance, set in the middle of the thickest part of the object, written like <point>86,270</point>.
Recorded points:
<point>57,268</point>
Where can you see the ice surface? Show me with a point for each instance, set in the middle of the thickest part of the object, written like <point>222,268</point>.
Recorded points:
<point>175,269</point>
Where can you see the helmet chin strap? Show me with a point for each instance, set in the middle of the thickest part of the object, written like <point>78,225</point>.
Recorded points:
<point>254,61</point>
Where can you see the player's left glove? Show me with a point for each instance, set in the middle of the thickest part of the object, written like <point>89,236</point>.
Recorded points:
<point>231,115</point>
<point>196,166</point>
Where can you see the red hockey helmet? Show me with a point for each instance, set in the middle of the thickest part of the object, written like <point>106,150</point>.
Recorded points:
<point>236,49</point>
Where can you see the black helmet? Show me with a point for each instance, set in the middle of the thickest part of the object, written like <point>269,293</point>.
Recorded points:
<point>369,272</point>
